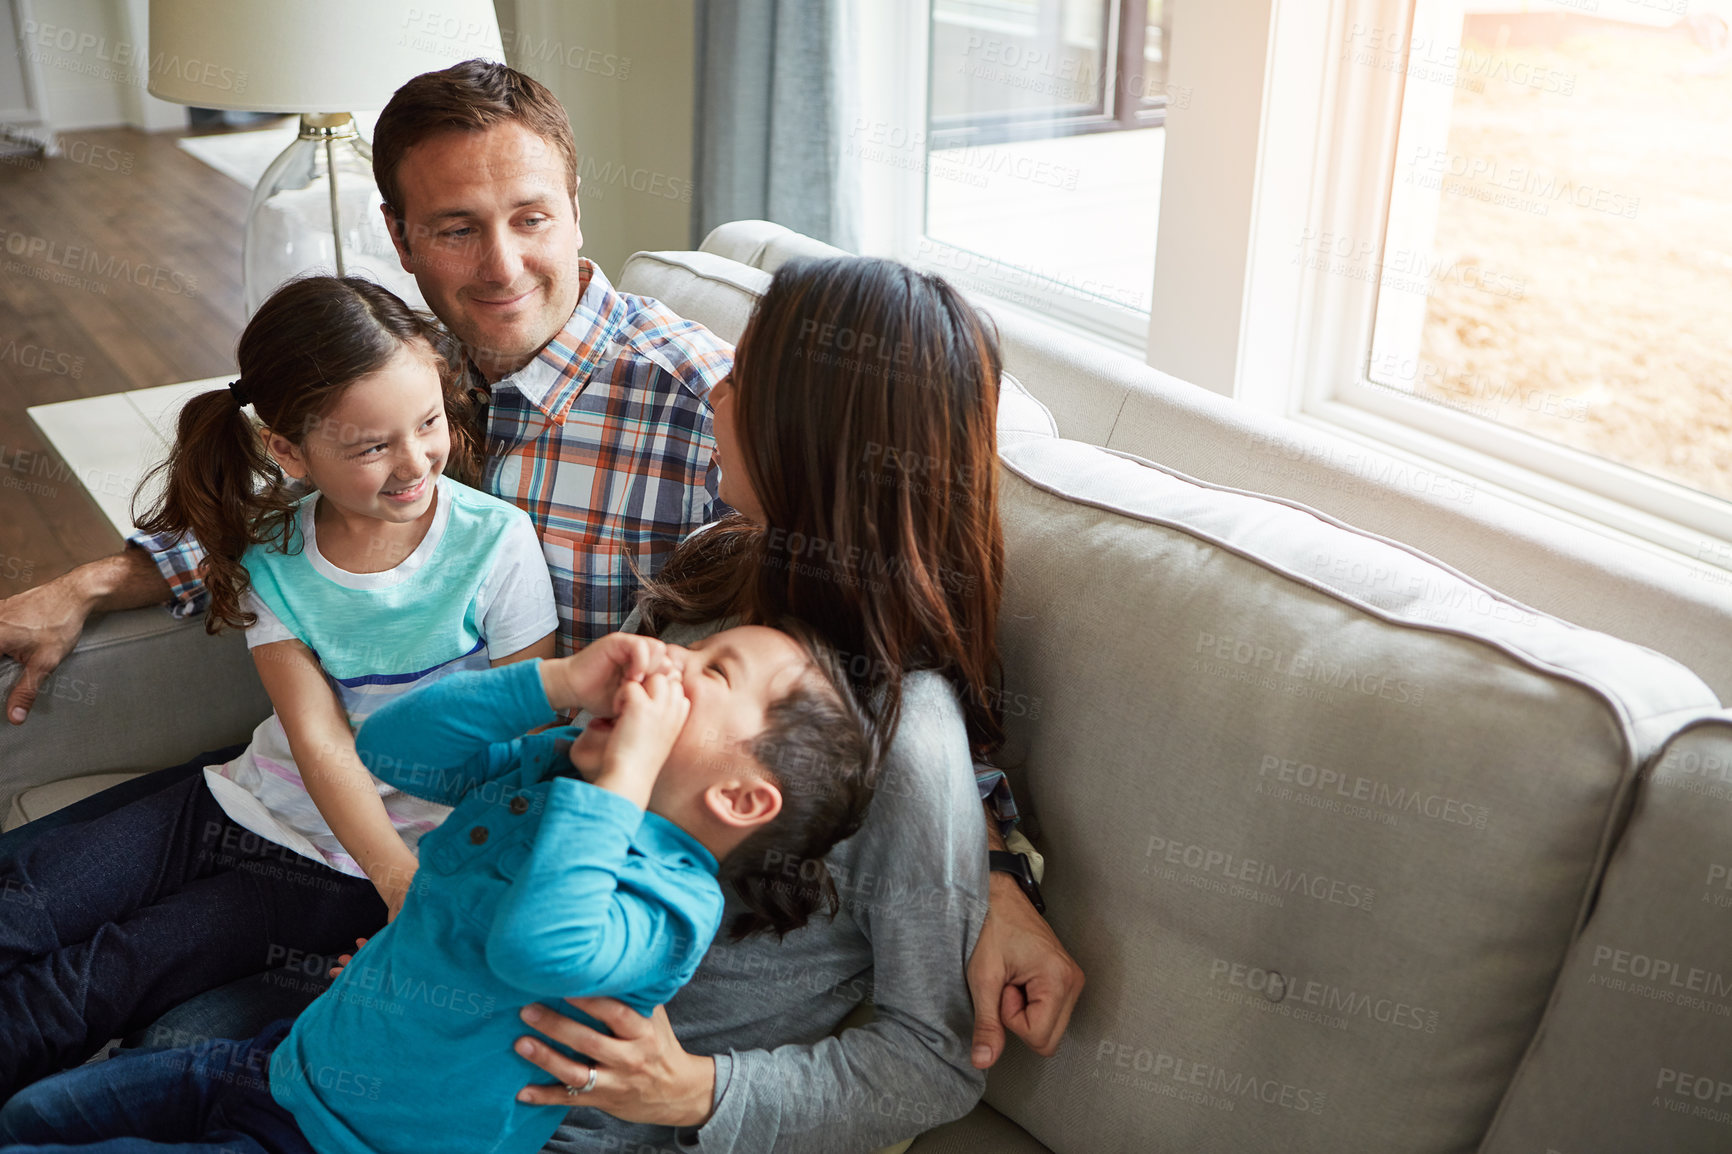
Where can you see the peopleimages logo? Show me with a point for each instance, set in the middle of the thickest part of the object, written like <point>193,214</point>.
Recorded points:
<point>1261,881</point>
<point>1234,1085</point>
<point>1333,1003</point>
<point>1380,795</point>
<point>1307,667</point>
<point>89,260</point>
<point>130,63</point>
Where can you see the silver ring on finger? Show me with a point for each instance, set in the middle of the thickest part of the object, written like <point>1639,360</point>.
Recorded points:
<point>573,1091</point>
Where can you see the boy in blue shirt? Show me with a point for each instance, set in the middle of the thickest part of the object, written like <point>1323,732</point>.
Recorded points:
<point>577,862</point>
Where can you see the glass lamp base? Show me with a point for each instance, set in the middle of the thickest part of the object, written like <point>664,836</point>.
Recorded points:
<point>296,227</point>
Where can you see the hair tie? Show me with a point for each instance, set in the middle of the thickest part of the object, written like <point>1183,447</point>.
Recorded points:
<point>239,392</point>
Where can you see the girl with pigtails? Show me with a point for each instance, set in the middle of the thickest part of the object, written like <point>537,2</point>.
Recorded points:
<point>340,540</point>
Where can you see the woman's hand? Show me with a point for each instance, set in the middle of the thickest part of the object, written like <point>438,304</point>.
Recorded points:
<point>642,1073</point>
<point>1019,976</point>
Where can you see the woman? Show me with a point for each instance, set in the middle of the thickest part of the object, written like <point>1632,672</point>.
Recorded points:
<point>856,439</point>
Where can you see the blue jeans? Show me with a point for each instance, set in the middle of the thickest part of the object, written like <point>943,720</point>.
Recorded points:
<point>214,1097</point>
<point>114,914</point>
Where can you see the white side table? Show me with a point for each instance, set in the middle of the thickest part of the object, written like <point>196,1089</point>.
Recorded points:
<point>110,443</point>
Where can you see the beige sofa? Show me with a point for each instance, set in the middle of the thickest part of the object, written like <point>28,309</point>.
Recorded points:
<point>1359,854</point>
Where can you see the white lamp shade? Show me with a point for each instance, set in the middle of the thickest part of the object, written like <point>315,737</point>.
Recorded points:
<point>309,55</point>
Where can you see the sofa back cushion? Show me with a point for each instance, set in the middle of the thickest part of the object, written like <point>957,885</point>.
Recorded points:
<point>1636,1053</point>
<point>715,291</point>
<point>719,293</point>
<point>1321,815</point>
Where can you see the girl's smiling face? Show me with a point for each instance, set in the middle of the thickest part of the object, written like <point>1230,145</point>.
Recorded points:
<point>379,450</point>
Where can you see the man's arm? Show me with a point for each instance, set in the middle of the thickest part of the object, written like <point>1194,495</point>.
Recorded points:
<point>40,626</point>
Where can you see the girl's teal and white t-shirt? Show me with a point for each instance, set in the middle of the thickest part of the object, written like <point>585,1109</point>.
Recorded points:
<point>475,589</point>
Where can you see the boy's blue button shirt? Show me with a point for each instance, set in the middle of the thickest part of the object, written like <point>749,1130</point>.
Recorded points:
<point>539,886</point>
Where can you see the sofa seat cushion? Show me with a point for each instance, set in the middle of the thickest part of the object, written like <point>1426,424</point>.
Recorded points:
<point>1322,816</point>
<point>43,800</point>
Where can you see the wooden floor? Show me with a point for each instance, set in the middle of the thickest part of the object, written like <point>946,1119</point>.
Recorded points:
<point>120,268</point>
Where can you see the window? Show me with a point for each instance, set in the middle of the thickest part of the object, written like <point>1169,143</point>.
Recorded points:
<point>1354,241</point>
<point>1559,254</point>
<point>1550,285</point>
<point>1042,152</point>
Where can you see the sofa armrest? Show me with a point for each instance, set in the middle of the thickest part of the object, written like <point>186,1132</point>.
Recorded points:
<point>141,691</point>
<point>1633,1053</point>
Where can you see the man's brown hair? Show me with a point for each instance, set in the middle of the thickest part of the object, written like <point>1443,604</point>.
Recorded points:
<point>469,97</point>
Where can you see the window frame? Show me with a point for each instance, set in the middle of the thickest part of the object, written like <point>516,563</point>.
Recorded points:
<point>1280,142</point>
<point>1124,35</point>
<point>1335,390</point>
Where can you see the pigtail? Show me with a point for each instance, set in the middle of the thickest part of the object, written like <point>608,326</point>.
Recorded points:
<point>220,485</point>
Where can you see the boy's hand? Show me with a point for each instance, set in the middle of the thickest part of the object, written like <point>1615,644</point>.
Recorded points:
<point>648,718</point>
<point>590,679</point>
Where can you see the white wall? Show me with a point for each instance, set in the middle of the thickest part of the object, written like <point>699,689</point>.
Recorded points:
<point>92,61</point>
<point>624,69</point>
<point>84,61</point>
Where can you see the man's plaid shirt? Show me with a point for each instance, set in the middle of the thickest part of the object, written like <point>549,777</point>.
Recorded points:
<point>604,439</point>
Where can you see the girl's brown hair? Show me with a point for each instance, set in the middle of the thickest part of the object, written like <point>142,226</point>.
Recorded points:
<point>866,396</point>
<point>307,344</point>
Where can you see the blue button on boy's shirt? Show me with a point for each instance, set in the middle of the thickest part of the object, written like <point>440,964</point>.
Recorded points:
<point>537,887</point>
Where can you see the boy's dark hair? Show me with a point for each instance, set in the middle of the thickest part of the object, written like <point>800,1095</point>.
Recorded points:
<point>816,747</point>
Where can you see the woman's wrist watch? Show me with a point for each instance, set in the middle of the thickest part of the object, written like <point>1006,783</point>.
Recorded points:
<point>1016,865</point>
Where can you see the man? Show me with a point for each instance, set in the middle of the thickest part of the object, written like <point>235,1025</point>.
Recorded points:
<point>479,176</point>
<point>597,425</point>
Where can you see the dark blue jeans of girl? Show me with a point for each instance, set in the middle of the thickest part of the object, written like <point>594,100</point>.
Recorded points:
<point>211,1097</point>
<point>112,914</point>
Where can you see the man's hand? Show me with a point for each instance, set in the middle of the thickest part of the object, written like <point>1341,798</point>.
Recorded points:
<point>40,626</point>
<point>1019,976</point>
<point>642,1072</point>
<point>591,678</point>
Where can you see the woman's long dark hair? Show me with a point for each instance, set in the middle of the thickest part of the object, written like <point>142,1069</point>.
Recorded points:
<point>866,396</point>
<point>308,343</point>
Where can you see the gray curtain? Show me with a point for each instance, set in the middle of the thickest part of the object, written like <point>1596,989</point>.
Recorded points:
<point>769,132</point>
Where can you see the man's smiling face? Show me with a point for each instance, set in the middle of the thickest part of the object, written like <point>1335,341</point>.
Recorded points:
<point>490,231</point>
